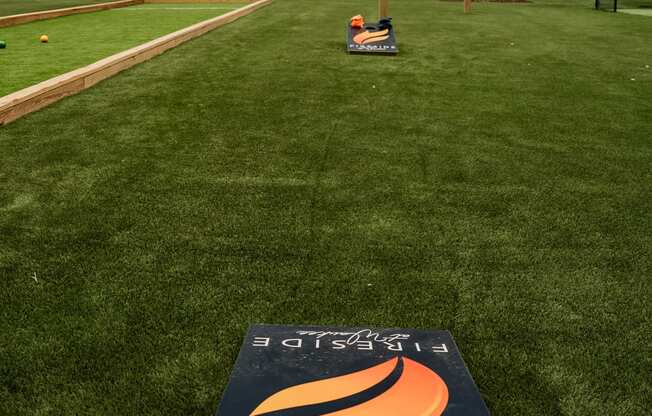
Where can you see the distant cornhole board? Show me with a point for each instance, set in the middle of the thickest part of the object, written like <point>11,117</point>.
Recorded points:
<point>308,371</point>
<point>377,38</point>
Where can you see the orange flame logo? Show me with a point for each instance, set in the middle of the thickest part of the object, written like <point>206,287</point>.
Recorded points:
<point>419,391</point>
<point>366,37</point>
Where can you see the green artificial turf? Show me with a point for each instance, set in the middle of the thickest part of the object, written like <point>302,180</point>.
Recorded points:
<point>9,7</point>
<point>82,39</point>
<point>494,179</point>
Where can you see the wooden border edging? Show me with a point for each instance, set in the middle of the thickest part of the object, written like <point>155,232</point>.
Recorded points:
<point>33,98</point>
<point>17,19</point>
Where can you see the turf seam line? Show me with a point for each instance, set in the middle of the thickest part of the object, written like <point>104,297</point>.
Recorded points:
<point>30,99</point>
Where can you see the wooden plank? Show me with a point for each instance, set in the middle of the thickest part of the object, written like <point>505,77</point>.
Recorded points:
<point>467,6</point>
<point>18,19</point>
<point>20,108</point>
<point>30,99</point>
<point>383,9</point>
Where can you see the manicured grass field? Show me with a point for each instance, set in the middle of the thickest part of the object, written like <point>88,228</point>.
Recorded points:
<point>494,179</point>
<point>79,40</point>
<point>9,7</point>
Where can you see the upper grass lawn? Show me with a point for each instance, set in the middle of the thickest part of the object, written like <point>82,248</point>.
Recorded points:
<point>634,4</point>
<point>9,7</point>
<point>79,40</point>
<point>494,179</point>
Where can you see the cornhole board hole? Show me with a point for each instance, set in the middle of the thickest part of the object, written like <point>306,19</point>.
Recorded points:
<point>361,40</point>
<point>314,370</point>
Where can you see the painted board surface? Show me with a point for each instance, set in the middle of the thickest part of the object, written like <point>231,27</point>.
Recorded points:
<point>311,371</point>
<point>361,40</point>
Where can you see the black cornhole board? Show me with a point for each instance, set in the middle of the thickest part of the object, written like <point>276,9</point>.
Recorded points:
<point>421,370</point>
<point>386,47</point>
